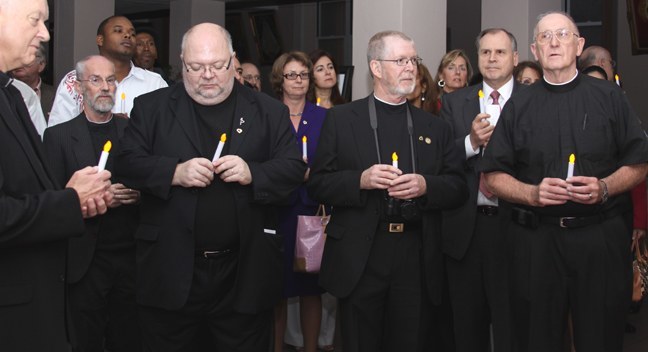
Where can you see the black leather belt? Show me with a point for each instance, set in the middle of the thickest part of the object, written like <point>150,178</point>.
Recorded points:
<point>488,210</point>
<point>530,219</point>
<point>214,254</point>
<point>398,227</point>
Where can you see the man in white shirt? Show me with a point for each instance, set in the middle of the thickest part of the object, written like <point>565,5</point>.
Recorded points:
<point>473,240</point>
<point>116,42</point>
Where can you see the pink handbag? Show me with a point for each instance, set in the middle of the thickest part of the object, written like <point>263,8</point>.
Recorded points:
<point>309,242</point>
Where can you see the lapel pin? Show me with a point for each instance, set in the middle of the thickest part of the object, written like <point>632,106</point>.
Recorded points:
<point>421,138</point>
<point>242,121</point>
<point>305,122</point>
<point>238,130</point>
<point>428,140</point>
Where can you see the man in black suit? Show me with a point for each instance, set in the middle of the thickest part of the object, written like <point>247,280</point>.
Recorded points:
<point>205,254</point>
<point>101,264</point>
<point>473,238</point>
<point>36,216</point>
<point>383,249</point>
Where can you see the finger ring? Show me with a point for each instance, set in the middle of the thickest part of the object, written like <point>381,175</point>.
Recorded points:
<point>590,196</point>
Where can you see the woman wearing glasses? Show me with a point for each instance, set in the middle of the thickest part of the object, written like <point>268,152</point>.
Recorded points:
<point>291,80</point>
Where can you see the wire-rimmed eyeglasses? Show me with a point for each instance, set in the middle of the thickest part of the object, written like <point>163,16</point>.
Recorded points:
<point>405,60</point>
<point>97,81</point>
<point>199,70</point>
<point>563,36</point>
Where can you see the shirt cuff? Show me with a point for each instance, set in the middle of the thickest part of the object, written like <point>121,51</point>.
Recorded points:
<point>470,152</point>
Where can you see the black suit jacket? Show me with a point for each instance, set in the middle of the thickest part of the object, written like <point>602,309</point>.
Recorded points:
<point>69,148</point>
<point>459,109</point>
<point>36,219</point>
<point>346,148</point>
<point>162,133</point>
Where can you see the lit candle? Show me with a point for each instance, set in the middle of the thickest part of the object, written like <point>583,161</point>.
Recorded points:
<point>480,94</point>
<point>104,156</point>
<point>123,103</point>
<point>395,160</point>
<point>304,147</point>
<point>318,101</point>
<point>616,79</point>
<point>570,166</point>
<point>219,149</point>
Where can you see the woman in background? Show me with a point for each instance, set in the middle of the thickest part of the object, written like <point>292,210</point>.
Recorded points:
<point>454,71</point>
<point>527,72</point>
<point>325,91</point>
<point>291,80</point>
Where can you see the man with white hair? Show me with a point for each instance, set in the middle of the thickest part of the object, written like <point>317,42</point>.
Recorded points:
<point>388,169</point>
<point>564,155</point>
<point>210,159</point>
<point>37,217</point>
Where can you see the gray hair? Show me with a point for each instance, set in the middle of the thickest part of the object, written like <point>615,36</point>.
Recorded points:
<point>376,48</point>
<point>226,34</point>
<point>493,31</point>
<point>80,66</point>
<point>553,12</point>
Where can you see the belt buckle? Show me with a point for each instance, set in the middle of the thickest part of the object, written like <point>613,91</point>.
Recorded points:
<point>562,221</point>
<point>396,227</point>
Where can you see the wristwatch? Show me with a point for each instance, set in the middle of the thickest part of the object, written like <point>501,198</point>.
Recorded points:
<point>604,192</point>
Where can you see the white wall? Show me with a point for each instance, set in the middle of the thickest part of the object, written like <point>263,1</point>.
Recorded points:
<point>422,20</point>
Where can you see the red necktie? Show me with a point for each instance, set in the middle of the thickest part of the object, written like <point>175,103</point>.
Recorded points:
<point>483,188</point>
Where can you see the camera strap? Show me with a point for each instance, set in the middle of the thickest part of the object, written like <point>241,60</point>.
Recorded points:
<point>373,120</point>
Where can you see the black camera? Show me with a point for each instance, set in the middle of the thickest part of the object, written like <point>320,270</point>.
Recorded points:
<point>407,209</point>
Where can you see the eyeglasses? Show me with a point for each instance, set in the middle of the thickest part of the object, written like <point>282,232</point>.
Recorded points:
<point>404,61</point>
<point>293,76</point>
<point>563,36</point>
<point>199,70</point>
<point>97,81</point>
<point>258,78</point>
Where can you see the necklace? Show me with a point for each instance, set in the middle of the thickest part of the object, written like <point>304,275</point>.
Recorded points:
<point>296,114</point>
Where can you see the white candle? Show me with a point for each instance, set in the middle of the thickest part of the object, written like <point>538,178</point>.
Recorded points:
<point>480,95</point>
<point>395,160</point>
<point>570,166</point>
<point>616,79</point>
<point>123,103</point>
<point>219,149</point>
<point>104,156</point>
<point>304,147</point>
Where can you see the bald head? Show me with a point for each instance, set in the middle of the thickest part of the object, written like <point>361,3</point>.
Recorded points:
<point>207,54</point>
<point>595,55</point>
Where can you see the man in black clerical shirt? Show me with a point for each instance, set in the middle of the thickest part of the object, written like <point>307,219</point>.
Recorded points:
<point>206,258</point>
<point>101,263</point>
<point>473,238</point>
<point>570,219</point>
<point>382,250</point>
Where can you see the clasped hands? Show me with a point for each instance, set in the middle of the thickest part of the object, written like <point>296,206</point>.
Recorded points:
<point>397,184</point>
<point>199,172</point>
<point>578,189</point>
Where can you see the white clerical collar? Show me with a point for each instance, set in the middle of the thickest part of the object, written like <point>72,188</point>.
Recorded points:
<point>388,103</point>
<point>560,84</point>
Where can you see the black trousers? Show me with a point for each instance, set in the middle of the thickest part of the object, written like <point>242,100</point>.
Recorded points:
<point>208,309</point>
<point>384,312</point>
<point>478,290</point>
<point>105,299</point>
<point>586,271</point>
